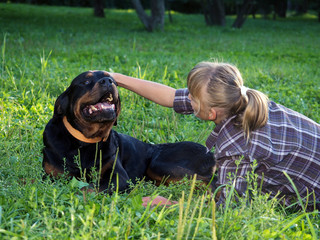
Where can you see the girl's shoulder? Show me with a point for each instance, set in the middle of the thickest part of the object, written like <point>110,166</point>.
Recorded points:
<point>279,114</point>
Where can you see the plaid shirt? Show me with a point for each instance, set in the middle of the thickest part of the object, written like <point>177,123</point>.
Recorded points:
<point>289,142</point>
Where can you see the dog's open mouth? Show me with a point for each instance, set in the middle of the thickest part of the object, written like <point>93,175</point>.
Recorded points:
<point>104,109</point>
<point>92,109</point>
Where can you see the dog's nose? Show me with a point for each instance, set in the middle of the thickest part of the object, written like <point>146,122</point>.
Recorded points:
<point>105,81</point>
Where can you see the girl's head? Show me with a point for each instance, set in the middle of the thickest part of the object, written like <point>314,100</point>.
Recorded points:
<point>215,88</point>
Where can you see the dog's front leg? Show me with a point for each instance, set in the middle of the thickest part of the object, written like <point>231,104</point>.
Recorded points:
<point>115,179</point>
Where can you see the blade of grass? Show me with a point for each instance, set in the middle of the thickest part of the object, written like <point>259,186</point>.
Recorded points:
<point>192,217</point>
<point>302,205</point>
<point>199,216</point>
<point>3,51</point>
<point>113,167</point>
<point>180,225</point>
<point>214,232</point>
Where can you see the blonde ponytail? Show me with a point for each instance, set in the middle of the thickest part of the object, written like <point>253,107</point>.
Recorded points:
<point>255,113</point>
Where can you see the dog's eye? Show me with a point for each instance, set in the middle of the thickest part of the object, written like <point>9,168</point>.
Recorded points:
<point>86,82</point>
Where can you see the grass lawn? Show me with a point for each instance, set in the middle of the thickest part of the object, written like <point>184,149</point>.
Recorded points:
<point>44,48</point>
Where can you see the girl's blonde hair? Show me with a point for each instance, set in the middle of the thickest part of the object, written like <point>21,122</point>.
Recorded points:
<point>223,84</point>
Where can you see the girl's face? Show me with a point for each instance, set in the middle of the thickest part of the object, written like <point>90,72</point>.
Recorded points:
<point>199,106</point>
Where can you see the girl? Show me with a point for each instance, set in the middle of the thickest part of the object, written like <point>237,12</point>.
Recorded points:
<point>248,127</point>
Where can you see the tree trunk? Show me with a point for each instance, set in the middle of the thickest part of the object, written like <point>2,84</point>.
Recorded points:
<point>243,13</point>
<point>168,4</point>
<point>281,8</point>
<point>302,7</point>
<point>318,10</point>
<point>156,20</point>
<point>214,13</point>
<point>98,6</point>
<point>157,14</point>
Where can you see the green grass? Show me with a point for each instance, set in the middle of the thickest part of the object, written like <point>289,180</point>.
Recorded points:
<point>44,48</point>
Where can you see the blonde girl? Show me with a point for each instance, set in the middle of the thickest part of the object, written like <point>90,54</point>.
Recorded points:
<point>248,127</point>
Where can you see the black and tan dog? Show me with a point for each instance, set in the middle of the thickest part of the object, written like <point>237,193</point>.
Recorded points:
<point>79,140</point>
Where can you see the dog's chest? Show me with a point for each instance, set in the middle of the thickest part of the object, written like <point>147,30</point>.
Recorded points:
<point>91,155</point>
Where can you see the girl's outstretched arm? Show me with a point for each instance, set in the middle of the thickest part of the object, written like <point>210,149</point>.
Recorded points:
<point>156,92</point>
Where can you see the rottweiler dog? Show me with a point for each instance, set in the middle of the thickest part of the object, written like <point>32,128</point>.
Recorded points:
<point>79,141</point>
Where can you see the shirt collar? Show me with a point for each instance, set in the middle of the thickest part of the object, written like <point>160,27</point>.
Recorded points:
<point>212,138</point>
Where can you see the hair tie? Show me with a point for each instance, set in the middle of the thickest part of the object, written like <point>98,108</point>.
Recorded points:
<point>243,90</point>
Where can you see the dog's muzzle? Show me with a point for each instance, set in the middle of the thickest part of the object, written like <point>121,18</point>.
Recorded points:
<point>105,109</point>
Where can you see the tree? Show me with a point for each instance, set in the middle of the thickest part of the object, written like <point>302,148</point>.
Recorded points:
<point>280,8</point>
<point>98,6</point>
<point>242,14</point>
<point>214,12</point>
<point>156,20</point>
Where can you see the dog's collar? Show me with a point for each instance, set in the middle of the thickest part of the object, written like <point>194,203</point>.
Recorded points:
<point>78,135</point>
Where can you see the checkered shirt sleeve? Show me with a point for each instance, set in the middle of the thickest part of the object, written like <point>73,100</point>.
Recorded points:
<point>182,103</point>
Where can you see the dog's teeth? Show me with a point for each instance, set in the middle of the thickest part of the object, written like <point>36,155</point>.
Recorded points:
<point>106,105</point>
<point>90,111</point>
<point>94,108</point>
<point>110,98</point>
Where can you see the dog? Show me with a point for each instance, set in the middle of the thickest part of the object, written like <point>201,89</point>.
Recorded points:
<point>79,141</point>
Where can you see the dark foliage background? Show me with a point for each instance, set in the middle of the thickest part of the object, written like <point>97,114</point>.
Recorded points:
<point>187,6</point>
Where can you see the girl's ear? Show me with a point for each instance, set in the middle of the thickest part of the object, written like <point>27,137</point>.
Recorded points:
<point>212,114</point>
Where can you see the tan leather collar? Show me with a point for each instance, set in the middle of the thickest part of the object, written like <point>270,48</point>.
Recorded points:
<point>78,135</point>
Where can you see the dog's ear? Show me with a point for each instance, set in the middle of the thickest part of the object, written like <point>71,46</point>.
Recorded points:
<point>62,102</point>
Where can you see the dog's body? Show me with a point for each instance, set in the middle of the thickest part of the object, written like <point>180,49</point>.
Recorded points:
<point>79,140</point>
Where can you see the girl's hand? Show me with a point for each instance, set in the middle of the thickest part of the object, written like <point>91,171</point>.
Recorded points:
<point>158,200</point>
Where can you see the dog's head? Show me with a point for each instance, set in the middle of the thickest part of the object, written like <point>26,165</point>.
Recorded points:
<point>91,103</point>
